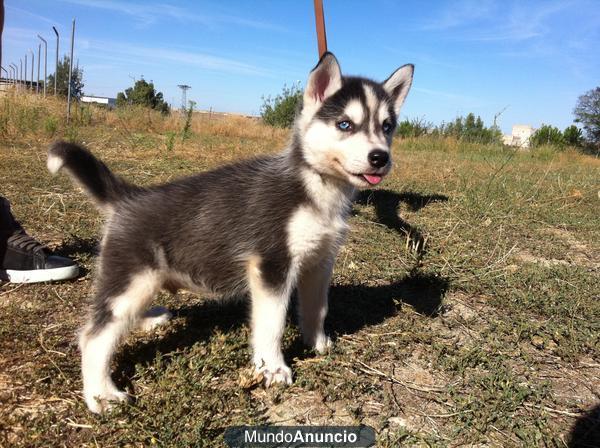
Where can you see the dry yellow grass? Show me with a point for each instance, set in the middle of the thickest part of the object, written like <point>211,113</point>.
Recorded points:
<point>463,302</point>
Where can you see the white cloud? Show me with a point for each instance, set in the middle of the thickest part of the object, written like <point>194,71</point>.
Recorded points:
<point>28,14</point>
<point>461,13</point>
<point>120,52</point>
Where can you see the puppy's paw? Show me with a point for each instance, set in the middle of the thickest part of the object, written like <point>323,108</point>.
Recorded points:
<point>323,344</point>
<point>320,342</point>
<point>275,372</point>
<point>100,402</point>
<point>154,317</point>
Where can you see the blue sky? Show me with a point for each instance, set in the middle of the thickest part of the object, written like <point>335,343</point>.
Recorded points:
<point>536,57</point>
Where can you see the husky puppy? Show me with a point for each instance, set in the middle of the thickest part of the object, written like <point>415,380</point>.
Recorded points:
<point>261,227</point>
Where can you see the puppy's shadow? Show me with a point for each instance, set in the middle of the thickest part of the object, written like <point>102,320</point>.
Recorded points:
<point>354,307</point>
<point>387,204</point>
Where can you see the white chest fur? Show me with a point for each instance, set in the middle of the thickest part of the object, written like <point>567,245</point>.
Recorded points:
<point>316,232</point>
<point>313,235</point>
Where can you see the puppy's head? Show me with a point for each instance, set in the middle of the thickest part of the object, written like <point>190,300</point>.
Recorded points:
<point>346,124</point>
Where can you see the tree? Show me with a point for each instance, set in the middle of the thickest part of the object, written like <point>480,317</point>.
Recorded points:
<point>573,136</point>
<point>547,135</point>
<point>143,94</point>
<point>587,112</point>
<point>62,83</point>
<point>281,110</point>
<point>470,129</point>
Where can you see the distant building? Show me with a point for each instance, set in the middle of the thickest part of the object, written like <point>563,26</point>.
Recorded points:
<point>521,133</point>
<point>110,102</point>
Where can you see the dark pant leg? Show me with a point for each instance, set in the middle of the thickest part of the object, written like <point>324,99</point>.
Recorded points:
<point>8,224</point>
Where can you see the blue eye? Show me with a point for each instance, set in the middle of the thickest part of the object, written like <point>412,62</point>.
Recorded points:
<point>345,126</point>
<point>386,127</point>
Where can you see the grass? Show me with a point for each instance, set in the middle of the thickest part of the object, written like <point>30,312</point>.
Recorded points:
<point>464,305</point>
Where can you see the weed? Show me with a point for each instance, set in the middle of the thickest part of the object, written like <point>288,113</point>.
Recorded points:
<point>170,140</point>
<point>72,134</point>
<point>186,131</point>
<point>51,126</point>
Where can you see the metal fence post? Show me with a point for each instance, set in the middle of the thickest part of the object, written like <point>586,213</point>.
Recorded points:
<point>56,67</point>
<point>70,73</point>
<point>45,62</point>
<point>32,62</point>
<point>37,79</point>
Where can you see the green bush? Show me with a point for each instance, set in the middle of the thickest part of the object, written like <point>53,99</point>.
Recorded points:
<point>415,127</point>
<point>547,135</point>
<point>281,110</point>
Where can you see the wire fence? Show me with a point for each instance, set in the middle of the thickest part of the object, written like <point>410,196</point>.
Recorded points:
<point>19,78</point>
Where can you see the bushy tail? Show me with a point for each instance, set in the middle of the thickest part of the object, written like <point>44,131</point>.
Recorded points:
<point>90,173</point>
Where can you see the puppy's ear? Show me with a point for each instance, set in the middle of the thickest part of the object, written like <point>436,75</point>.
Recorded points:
<point>324,80</point>
<point>398,85</point>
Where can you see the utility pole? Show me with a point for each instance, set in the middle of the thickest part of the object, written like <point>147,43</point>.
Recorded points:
<point>70,73</point>
<point>184,88</point>
<point>320,22</point>
<point>45,61</point>
<point>21,70</point>
<point>56,67</point>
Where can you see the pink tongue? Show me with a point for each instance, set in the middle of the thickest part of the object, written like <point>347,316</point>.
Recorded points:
<point>372,178</point>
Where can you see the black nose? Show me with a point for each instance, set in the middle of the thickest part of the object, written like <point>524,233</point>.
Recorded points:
<point>378,158</point>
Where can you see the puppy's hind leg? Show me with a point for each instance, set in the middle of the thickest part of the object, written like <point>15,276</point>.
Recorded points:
<point>313,288</point>
<point>269,310</point>
<point>112,318</point>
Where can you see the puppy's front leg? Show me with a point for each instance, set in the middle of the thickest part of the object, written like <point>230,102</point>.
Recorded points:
<point>313,288</point>
<point>269,310</point>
